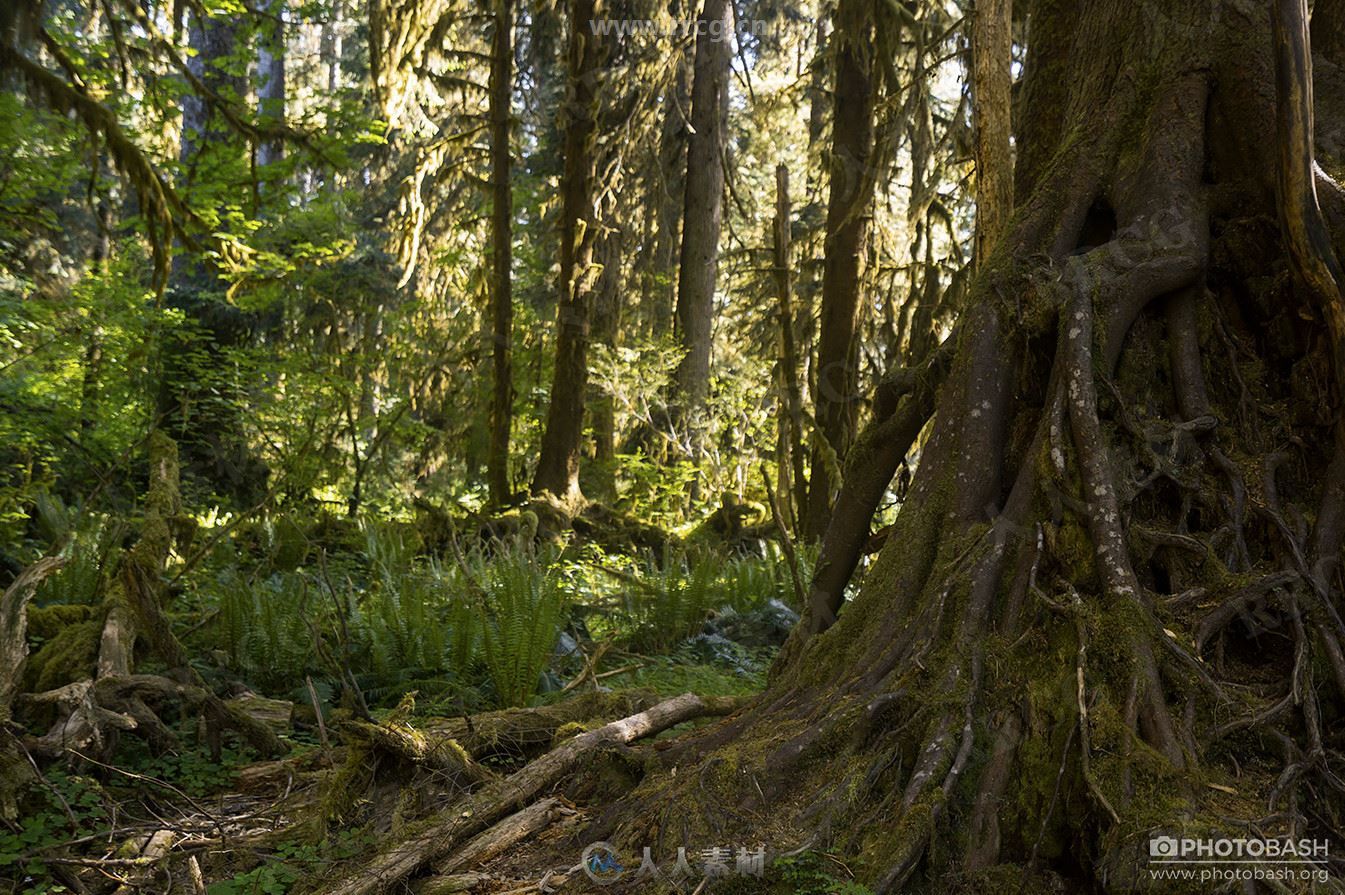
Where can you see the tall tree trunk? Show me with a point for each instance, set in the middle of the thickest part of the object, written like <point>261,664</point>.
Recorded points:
<point>607,312</point>
<point>846,247</point>
<point>668,191</point>
<point>558,465</point>
<point>702,210</point>
<point>200,398</point>
<point>271,80</point>
<point>501,232</point>
<point>992,58</point>
<point>791,403</point>
<point>1119,554</point>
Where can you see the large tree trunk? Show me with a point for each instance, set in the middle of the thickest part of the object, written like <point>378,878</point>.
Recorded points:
<point>502,253</point>
<point>848,219</point>
<point>558,465</point>
<point>702,212</point>
<point>1120,547</point>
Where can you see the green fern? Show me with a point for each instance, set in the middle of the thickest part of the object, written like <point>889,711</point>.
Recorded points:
<point>523,607</point>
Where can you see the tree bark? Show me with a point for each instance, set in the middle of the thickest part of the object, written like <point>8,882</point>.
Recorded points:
<point>791,398</point>
<point>848,218</point>
<point>558,465</point>
<point>501,233</point>
<point>702,211</point>
<point>992,58</point>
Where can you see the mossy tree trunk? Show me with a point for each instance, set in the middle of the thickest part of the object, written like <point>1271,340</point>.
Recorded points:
<point>1117,563</point>
<point>558,465</point>
<point>703,206</point>
<point>852,184</point>
<point>502,254</point>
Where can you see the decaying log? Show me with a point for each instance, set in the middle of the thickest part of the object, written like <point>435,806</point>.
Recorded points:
<point>453,884</point>
<point>14,627</point>
<point>496,801</point>
<point>526,732</point>
<point>435,753</point>
<point>151,852</point>
<point>277,714</point>
<point>504,835</point>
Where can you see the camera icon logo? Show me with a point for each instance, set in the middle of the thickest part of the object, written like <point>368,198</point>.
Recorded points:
<point>1163,847</point>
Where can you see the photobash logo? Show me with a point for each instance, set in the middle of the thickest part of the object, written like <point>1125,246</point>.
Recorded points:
<point>1170,849</point>
<point>1228,860</point>
<point>1163,847</point>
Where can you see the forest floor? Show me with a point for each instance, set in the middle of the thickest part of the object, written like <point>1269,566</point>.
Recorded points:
<point>402,678</point>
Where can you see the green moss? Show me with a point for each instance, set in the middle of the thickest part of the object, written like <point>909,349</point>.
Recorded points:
<point>346,785</point>
<point>886,843</point>
<point>569,730</point>
<point>1073,549</point>
<point>46,622</point>
<point>71,655</point>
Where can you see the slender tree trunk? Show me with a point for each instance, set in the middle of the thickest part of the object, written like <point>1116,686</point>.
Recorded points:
<point>271,80</point>
<point>607,313</point>
<point>702,211</point>
<point>846,247</point>
<point>992,58</point>
<point>91,379</point>
<point>501,229</point>
<point>668,193</point>
<point>791,403</point>
<point>558,465</point>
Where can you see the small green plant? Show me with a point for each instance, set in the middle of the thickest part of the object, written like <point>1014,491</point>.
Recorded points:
<point>675,601</point>
<point>813,873</point>
<point>523,604</point>
<point>66,807</point>
<point>193,771</point>
<point>291,861</point>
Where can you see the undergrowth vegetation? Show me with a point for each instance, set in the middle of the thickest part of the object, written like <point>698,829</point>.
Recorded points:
<point>331,619</point>
<point>471,627</point>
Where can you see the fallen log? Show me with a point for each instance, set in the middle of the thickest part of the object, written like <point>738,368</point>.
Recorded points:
<point>504,835</point>
<point>152,852</point>
<point>492,803</point>
<point>524,733</point>
<point>451,885</point>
